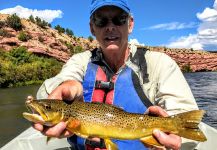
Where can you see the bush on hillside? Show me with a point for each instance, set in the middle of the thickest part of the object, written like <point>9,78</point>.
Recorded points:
<point>186,68</point>
<point>23,36</point>
<point>5,33</point>
<point>18,67</point>
<point>77,49</point>
<point>90,38</point>
<point>41,39</point>
<point>59,29</point>
<point>69,32</point>
<point>14,22</point>
<point>41,23</point>
<point>32,19</point>
<point>2,24</point>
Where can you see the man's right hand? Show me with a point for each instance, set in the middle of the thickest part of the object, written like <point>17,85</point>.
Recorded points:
<point>68,90</point>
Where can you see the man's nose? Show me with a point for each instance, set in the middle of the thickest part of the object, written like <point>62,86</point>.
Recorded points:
<point>110,26</point>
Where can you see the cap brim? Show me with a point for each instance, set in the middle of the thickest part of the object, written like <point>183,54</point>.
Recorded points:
<point>109,4</point>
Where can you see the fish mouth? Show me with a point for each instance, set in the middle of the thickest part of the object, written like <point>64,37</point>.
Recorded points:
<point>36,112</point>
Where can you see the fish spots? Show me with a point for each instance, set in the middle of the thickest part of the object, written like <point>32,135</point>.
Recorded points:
<point>141,118</point>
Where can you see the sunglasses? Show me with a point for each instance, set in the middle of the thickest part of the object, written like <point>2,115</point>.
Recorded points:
<point>117,20</point>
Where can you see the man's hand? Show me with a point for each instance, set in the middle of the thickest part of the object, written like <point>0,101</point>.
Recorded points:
<point>68,90</point>
<point>170,141</point>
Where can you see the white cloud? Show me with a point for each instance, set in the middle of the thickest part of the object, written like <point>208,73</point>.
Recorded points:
<point>135,41</point>
<point>206,36</point>
<point>47,15</point>
<point>173,26</point>
<point>190,41</point>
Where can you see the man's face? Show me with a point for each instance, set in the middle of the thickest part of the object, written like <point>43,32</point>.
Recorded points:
<point>111,26</point>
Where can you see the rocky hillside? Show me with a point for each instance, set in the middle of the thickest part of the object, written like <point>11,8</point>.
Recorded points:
<point>45,41</point>
<point>48,41</point>
<point>191,60</point>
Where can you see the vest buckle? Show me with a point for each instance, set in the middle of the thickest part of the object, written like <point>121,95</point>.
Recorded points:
<point>104,85</point>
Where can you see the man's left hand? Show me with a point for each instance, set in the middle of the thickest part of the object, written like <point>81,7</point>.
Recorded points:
<point>170,141</point>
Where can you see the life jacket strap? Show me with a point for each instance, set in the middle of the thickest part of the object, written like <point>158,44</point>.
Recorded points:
<point>93,145</point>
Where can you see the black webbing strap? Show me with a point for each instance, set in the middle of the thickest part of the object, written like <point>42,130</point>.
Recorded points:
<point>94,144</point>
<point>139,60</point>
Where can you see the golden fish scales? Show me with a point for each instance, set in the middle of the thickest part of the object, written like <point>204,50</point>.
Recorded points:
<point>110,122</point>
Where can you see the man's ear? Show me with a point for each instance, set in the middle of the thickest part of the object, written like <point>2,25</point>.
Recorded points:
<point>131,25</point>
<point>91,28</point>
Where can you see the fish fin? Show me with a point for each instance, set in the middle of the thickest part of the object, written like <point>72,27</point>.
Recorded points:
<point>73,123</point>
<point>150,141</point>
<point>113,107</point>
<point>49,139</point>
<point>188,125</point>
<point>110,145</point>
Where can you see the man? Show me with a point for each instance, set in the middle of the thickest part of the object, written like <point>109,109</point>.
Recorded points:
<point>120,74</point>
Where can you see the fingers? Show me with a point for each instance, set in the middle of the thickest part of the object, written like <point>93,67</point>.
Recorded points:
<point>38,127</point>
<point>156,110</point>
<point>170,141</point>
<point>68,90</point>
<point>94,139</point>
<point>54,131</point>
<point>58,131</point>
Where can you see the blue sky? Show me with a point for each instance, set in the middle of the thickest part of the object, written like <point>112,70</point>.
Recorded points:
<point>171,23</point>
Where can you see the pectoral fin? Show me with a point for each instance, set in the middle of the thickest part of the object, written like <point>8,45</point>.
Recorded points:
<point>150,141</point>
<point>72,124</point>
<point>49,139</point>
<point>110,145</point>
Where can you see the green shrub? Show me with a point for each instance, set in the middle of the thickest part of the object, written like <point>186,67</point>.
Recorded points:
<point>14,22</point>
<point>19,55</point>
<point>90,38</point>
<point>77,49</point>
<point>59,29</point>
<point>5,33</point>
<point>18,67</point>
<point>41,23</point>
<point>41,39</point>
<point>186,68</point>
<point>69,32</point>
<point>2,24</point>
<point>23,36</point>
<point>32,19</point>
<point>70,47</point>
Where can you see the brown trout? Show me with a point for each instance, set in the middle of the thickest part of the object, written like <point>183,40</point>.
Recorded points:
<point>110,122</point>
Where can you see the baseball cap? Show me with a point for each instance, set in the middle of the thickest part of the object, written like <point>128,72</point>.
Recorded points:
<point>95,4</point>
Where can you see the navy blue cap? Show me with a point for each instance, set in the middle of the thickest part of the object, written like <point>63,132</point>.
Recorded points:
<point>95,4</point>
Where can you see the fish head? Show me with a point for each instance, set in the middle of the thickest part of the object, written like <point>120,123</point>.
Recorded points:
<point>46,112</point>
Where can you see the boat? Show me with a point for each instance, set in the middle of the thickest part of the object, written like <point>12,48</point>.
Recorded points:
<point>31,139</point>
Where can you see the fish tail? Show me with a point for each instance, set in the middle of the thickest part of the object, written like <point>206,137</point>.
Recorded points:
<point>188,127</point>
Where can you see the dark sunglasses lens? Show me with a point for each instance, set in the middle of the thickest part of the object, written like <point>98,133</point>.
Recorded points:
<point>100,22</point>
<point>118,21</point>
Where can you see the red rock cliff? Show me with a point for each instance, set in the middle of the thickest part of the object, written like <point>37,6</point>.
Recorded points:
<point>48,41</point>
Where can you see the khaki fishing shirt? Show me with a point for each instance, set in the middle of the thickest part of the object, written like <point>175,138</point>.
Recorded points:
<point>166,86</point>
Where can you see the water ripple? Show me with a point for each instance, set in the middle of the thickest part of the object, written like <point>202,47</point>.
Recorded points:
<point>204,89</point>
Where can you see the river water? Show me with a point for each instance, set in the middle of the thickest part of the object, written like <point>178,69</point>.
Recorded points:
<point>203,85</point>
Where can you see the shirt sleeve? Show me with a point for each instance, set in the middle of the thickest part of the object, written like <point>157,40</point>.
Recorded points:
<point>74,69</point>
<point>172,90</point>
